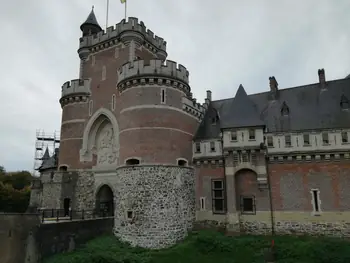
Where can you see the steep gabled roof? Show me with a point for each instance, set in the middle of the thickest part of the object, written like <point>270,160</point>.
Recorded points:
<point>309,108</point>
<point>241,113</point>
<point>49,162</point>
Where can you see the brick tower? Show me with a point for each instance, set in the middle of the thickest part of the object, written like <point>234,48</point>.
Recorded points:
<point>127,126</point>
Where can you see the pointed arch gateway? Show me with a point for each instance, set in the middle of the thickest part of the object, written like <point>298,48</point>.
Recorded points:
<point>105,200</point>
<point>101,138</point>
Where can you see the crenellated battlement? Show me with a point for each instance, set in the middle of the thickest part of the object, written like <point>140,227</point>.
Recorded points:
<point>191,106</point>
<point>75,90</point>
<point>140,72</point>
<point>154,68</point>
<point>124,31</point>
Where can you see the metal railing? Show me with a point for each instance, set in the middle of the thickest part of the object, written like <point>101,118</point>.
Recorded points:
<point>56,215</point>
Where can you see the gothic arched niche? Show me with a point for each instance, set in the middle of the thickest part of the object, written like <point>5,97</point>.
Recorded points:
<point>101,138</point>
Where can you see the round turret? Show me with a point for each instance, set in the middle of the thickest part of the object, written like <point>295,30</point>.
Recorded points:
<point>155,127</point>
<point>90,26</point>
<point>74,102</point>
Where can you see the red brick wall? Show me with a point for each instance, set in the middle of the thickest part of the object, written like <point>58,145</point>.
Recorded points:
<point>291,185</point>
<point>102,92</point>
<point>204,174</point>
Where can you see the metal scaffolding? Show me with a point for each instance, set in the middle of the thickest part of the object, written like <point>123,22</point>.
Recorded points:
<point>49,141</point>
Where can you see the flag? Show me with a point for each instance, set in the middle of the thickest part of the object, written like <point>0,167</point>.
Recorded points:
<point>123,1</point>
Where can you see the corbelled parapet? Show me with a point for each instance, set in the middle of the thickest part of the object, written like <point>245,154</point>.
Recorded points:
<point>192,107</point>
<point>124,32</point>
<point>154,72</point>
<point>76,90</point>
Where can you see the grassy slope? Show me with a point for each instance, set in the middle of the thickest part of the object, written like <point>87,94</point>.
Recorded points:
<point>213,247</point>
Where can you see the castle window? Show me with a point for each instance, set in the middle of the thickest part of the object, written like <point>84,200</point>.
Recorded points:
<point>198,147</point>
<point>248,205</point>
<point>202,203</point>
<point>212,146</point>
<point>132,161</point>
<point>181,162</point>
<point>104,73</point>
<point>63,168</point>
<point>251,134</point>
<point>306,138</point>
<point>218,196</point>
<point>288,140</point>
<point>284,109</point>
<point>91,105</point>
<point>344,137</point>
<point>113,102</point>
<point>162,94</point>
<point>325,138</point>
<point>269,141</point>
<point>233,136</point>
<point>316,202</point>
<point>344,102</point>
<point>93,60</point>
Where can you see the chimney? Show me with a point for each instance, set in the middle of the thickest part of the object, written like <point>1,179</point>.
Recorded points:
<point>322,78</point>
<point>273,84</point>
<point>209,95</point>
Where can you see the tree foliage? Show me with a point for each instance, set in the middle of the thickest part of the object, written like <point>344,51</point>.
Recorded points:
<point>14,190</point>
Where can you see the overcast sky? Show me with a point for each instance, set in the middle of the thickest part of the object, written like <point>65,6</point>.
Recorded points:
<point>222,43</point>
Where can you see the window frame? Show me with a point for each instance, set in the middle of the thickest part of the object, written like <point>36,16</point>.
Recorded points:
<point>306,142</point>
<point>223,198</point>
<point>287,145</point>
<point>247,212</point>
<point>325,141</point>
<point>250,132</point>
<point>346,135</point>
<point>234,138</point>
<point>197,146</point>
<point>268,142</point>
<point>212,146</point>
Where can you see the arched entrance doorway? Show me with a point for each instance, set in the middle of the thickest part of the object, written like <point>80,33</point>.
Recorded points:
<point>104,201</point>
<point>66,206</point>
<point>247,191</point>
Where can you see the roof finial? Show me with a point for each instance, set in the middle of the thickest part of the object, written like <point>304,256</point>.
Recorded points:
<point>93,8</point>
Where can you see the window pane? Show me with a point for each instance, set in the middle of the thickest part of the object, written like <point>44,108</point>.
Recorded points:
<point>248,204</point>
<point>218,194</point>
<point>218,185</point>
<point>218,205</point>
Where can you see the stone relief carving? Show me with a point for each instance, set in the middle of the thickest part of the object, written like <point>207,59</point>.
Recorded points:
<point>107,147</point>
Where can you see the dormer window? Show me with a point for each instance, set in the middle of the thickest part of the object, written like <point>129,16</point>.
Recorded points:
<point>198,147</point>
<point>251,134</point>
<point>344,102</point>
<point>284,109</point>
<point>233,136</point>
<point>288,141</point>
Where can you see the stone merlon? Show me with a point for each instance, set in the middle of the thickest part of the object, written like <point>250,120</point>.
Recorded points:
<point>153,68</point>
<point>76,87</point>
<point>133,26</point>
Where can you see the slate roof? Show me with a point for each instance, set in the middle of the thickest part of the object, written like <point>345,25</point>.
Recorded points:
<point>49,162</point>
<point>307,107</point>
<point>91,20</point>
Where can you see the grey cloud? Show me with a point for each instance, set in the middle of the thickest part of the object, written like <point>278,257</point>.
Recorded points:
<point>222,43</point>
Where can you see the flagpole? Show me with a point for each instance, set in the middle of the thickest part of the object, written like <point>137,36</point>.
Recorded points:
<point>126,1</point>
<point>107,14</point>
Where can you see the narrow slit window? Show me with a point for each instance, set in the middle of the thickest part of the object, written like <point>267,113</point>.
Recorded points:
<point>91,105</point>
<point>163,96</point>
<point>202,203</point>
<point>316,200</point>
<point>104,73</point>
<point>113,102</point>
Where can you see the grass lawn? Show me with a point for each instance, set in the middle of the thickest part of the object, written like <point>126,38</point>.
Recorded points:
<point>213,247</point>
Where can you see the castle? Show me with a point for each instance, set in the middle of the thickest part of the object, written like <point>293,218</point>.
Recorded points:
<point>137,144</point>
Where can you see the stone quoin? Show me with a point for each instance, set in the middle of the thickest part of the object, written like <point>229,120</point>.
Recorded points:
<point>136,144</point>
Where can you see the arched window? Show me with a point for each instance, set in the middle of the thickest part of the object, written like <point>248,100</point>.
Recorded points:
<point>132,161</point>
<point>182,162</point>
<point>63,168</point>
